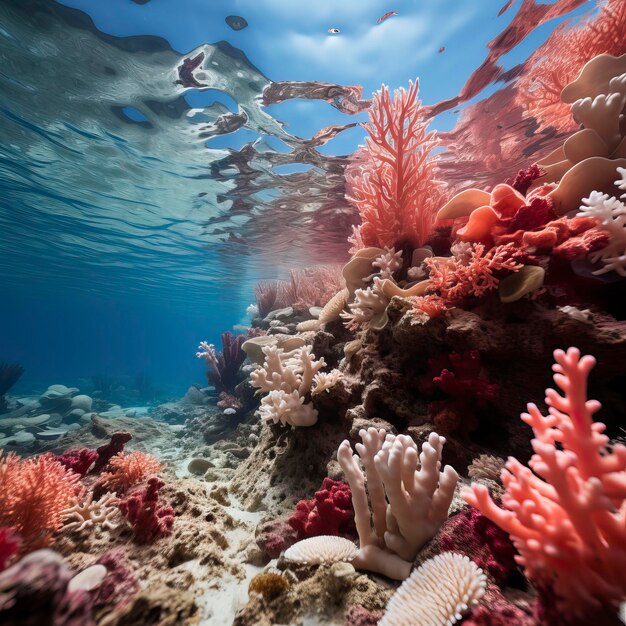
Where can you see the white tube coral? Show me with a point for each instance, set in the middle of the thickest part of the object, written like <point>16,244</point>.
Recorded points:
<point>409,501</point>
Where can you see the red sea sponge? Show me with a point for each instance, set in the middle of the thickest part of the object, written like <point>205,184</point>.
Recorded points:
<point>471,533</point>
<point>499,614</point>
<point>274,537</point>
<point>148,519</point>
<point>33,495</point>
<point>119,584</point>
<point>329,513</point>
<point>9,547</point>
<point>79,460</point>
<point>460,376</point>
<point>524,178</point>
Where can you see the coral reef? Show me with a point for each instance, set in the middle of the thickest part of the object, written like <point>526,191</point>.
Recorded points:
<point>223,367</point>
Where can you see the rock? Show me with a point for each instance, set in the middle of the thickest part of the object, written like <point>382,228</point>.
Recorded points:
<point>73,416</point>
<point>315,311</point>
<point>24,422</point>
<point>194,396</point>
<point>55,433</point>
<point>82,402</point>
<point>21,438</point>
<point>199,466</point>
<point>279,314</point>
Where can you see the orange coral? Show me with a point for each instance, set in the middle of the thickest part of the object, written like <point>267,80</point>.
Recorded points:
<point>559,60</point>
<point>34,493</point>
<point>128,470</point>
<point>391,180</point>
<point>471,273</point>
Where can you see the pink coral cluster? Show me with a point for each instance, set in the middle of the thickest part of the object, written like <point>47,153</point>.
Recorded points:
<point>392,180</point>
<point>149,519</point>
<point>566,513</point>
<point>329,513</point>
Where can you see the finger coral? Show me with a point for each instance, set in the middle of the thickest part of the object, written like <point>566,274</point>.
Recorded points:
<point>128,470</point>
<point>437,593</point>
<point>34,493</point>
<point>149,519</point>
<point>392,181</point>
<point>566,513</point>
<point>408,504</point>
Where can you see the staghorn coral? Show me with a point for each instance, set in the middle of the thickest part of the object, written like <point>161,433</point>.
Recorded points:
<point>149,519</point>
<point>329,513</point>
<point>408,504</point>
<point>89,513</point>
<point>456,278</point>
<point>392,180</point>
<point>611,215</point>
<point>34,493</point>
<point>389,262</point>
<point>223,367</point>
<point>437,593</point>
<point>566,513</point>
<point>287,377</point>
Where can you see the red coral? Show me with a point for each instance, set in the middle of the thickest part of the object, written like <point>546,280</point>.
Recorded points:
<point>392,180</point>
<point>79,460</point>
<point>119,584</point>
<point>360,616</point>
<point>431,305</point>
<point>128,470</point>
<point>9,547</point>
<point>460,376</point>
<point>148,519</point>
<point>329,513</point>
<point>469,532</point>
<point>33,495</point>
<point>109,450</point>
<point>457,279</point>
<point>499,614</point>
<point>524,178</point>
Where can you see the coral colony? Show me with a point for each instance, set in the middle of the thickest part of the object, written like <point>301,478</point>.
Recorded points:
<point>358,456</point>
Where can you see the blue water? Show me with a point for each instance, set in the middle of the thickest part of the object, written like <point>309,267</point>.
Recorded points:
<point>127,234</point>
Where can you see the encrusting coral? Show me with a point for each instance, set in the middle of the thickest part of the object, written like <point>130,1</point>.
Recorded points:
<point>437,593</point>
<point>566,513</point>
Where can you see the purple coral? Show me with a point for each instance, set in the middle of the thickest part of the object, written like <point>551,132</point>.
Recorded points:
<point>120,583</point>
<point>79,460</point>
<point>109,450</point>
<point>223,367</point>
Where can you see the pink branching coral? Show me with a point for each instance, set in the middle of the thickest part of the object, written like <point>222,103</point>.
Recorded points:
<point>149,519</point>
<point>471,275</point>
<point>79,460</point>
<point>431,306</point>
<point>566,513</point>
<point>9,547</point>
<point>329,513</point>
<point>558,61</point>
<point>109,450</point>
<point>128,470</point>
<point>34,493</point>
<point>392,180</point>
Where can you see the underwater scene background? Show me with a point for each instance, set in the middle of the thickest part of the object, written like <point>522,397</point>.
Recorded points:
<point>278,279</point>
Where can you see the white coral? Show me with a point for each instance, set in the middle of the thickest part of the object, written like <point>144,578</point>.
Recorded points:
<point>437,593</point>
<point>389,262</point>
<point>409,497</point>
<point>368,303</point>
<point>287,377</point>
<point>90,512</point>
<point>322,549</point>
<point>323,381</point>
<point>611,216</point>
